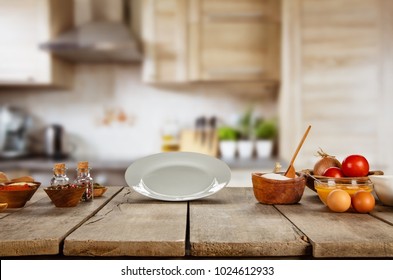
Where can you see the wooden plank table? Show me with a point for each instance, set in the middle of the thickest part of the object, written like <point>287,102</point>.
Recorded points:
<point>338,235</point>
<point>233,223</point>
<point>39,228</point>
<point>230,223</point>
<point>132,225</point>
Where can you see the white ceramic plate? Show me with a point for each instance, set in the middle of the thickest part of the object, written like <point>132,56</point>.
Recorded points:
<point>178,176</point>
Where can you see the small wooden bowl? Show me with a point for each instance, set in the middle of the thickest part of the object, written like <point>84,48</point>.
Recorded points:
<point>68,197</point>
<point>271,191</point>
<point>17,198</point>
<point>3,206</point>
<point>97,192</point>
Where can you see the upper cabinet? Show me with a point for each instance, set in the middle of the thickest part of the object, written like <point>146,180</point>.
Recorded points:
<point>211,40</point>
<point>164,36</point>
<point>24,24</point>
<point>233,40</point>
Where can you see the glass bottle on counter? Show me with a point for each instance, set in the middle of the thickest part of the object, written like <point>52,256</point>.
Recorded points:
<point>170,136</point>
<point>59,178</point>
<point>83,179</point>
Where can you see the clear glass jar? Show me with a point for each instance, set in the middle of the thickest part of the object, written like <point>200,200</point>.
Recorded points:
<point>83,179</point>
<point>59,178</point>
<point>170,136</point>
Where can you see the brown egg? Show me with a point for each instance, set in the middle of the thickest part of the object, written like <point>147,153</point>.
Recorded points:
<point>363,202</point>
<point>338,201</point>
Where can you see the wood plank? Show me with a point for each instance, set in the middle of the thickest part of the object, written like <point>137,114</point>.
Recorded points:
<point>132,225</point>
<point>233,223</point>
<point>339,234</point>
<point>40,228</point>
<point>385,128</point>
<point>385,213</point>
<point>336,49</point>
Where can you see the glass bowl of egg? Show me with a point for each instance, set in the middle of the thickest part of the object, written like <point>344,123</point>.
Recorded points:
<point>350,185</point>
<point>275,188</point>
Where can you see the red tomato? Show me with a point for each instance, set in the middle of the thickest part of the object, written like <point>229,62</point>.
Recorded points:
<point>363,202</point>
<point>333,172</point>
<point>355,166</point>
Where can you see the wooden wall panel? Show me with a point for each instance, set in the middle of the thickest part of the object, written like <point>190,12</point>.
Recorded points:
<point>335,53</point>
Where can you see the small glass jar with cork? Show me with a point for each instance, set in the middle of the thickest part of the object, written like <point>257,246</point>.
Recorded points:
<point>84,180</point>
<point>59,179</point>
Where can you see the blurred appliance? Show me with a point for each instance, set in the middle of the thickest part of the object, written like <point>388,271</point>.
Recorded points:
<point>14,127</point>
<point>101,39</point>
<point>57,144</point>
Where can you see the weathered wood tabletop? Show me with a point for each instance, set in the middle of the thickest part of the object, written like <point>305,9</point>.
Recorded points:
<point>132,225</point>
<point>39,228</point>
<point>230,223</point>
<point>233,223</point>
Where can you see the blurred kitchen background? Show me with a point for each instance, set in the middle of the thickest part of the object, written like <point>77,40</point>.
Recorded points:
<point>113,81</point>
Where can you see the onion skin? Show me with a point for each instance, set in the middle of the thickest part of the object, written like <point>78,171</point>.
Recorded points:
<point>324,163</point>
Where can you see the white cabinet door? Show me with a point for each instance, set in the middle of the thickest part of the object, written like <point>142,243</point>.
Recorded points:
<point>24,24</point>
<point>22,27</point>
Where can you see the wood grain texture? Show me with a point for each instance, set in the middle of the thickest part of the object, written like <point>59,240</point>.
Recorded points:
<point>215,40</point>
<point>336,76</point>
<point>386,131</point>
<point>385,213</point>
<point>132,225</point>
<point>339,235</point>
<point>233,223</point>
<point>234,40</point>
<point>164,34</point>
<point>40,228</point>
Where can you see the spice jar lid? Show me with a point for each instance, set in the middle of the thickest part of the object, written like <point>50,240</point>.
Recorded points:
<point>59,168</point>
<point>83,164</point>
<point>59,165</point>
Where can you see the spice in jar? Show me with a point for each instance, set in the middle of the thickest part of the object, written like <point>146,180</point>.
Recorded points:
<point>84,180</point>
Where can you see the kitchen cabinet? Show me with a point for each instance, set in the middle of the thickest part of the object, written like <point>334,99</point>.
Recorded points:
<point>164,36</point>
<point>215,40</point>
<point>24,24</point>
<point>337,69</point>
<point>234,40</point>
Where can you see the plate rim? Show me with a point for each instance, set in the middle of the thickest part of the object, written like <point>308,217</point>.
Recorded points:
<point>163,197</point>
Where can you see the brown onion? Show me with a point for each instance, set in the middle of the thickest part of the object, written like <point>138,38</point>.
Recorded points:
<point>324,163</point>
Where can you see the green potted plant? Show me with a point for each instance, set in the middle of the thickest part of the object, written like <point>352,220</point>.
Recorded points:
<point>265,133</point>
<point>228,137</point>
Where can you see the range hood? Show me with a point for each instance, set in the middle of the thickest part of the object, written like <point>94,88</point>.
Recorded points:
<point>98,41</point>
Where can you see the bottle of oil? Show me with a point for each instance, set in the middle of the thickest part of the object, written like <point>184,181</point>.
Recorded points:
<point>84,179</point>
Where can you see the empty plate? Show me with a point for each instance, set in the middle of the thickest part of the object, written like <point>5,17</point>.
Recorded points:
<point>178,176</point>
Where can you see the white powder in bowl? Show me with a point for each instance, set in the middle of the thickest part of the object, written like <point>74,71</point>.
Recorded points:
<point>275,176</point>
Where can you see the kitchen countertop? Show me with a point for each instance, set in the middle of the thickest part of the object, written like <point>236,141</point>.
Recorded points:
<point>230,223</point>
<point>41,169</point>
<point>47,164</point>
<point>40,163</point>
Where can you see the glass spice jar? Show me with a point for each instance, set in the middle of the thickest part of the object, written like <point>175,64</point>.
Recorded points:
<point>59,179</point>
<point>170,136</point>
<point>84,180</point>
